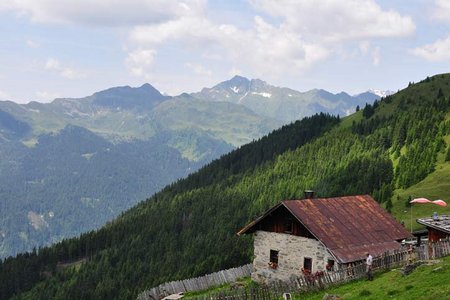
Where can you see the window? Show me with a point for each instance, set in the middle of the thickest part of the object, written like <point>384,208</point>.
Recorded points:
<point>273,259</point>
<point>307,264</point>
<point>288,225</point>
<point>330,265</point>
<point>274,256</point>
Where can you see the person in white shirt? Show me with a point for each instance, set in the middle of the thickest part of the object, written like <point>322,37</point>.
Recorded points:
<point>369,260</point>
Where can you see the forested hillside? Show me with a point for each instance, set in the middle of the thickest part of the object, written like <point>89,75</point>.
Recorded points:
<point>74,181</point>
<point>189,227</point>
<point>70,166</point>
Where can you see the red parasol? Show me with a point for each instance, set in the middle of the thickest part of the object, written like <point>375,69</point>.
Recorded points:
<point>425,200</point>
<point>439,202</point>
<point>420,200</point>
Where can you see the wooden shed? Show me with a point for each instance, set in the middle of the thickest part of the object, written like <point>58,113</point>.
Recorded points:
<point>438,227</point>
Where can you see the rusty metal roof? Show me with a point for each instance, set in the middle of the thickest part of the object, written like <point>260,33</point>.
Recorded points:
<point>355,253</point>
<point>441,223</point>
<point>348,226</point>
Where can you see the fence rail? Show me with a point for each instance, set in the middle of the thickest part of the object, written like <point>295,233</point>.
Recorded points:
<point>196,284</point>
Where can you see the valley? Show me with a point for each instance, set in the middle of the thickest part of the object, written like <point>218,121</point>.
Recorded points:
<point>388,149</point>
<point>74,164</point>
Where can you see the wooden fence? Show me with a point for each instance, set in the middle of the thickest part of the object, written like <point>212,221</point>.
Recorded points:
<point>313,282</point>
<point>322,280</point>
<point>196,284</point>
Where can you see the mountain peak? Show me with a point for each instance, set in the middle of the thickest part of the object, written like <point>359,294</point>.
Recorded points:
<point>129,97</point>
<point>238,78</point>
<point>236,85</point>
<point>147,87</point>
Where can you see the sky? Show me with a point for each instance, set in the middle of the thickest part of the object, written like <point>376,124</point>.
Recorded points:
<point>66,48</point>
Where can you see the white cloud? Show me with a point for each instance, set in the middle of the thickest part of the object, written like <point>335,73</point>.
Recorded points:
<point>264,48</point>
<point>103,12</point>
<point>235,71</point>
<point>199,69</point>
<point>4,95</point>
<point>438,51</point>
<point>7,5</point>
<point>139,61</point>
<point>300,34</point>
<point>65,71</point>
<point>185,28</point>
<point>32,44</point>
<point>338,20</point>
<point>376,56</point>
<point>53,65</point>
<point>442,10</point>
<point>364,47</point>
<point>70,73</point>
<point>306,33</point>
<point>45,96</point>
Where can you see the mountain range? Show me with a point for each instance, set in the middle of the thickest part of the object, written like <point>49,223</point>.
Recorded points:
<point>391,149</point>
<point>285,104</point>
<point>72,165</point>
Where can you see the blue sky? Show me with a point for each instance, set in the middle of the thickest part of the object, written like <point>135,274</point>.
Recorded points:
<point>65,48</point>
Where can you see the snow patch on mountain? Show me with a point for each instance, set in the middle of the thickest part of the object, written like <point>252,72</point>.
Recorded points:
<point>381,93</point>
<point>235,89</point>
<point>348,112</point>
<point>266,95</point>
<point>240,99</point>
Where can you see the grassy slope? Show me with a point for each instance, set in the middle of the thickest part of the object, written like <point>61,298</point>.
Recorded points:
<point>435,186</point>
<point>235,124</point>
<point>426,282</point>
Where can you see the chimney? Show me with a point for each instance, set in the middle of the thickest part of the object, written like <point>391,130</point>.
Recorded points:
<point>309,194</point>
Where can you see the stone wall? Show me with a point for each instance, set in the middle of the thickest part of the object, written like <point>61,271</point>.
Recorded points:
<point>292,251</point>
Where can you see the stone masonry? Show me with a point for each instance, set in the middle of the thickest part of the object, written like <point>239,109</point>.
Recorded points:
<point>292,251</point>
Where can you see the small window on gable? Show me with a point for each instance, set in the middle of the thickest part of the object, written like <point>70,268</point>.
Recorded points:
<point>274,256</point>
<point>307,264</point>
<point>288,225</point>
